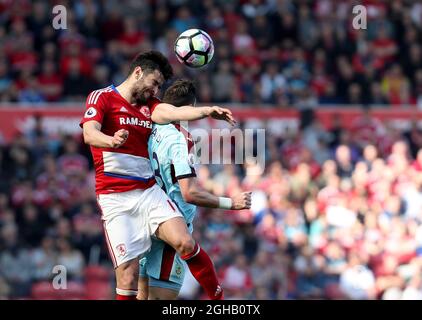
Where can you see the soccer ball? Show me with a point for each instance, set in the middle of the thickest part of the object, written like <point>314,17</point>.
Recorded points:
<point>194,48</point>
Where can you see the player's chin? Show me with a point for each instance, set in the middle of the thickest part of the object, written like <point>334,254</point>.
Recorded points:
<point>141,98</point>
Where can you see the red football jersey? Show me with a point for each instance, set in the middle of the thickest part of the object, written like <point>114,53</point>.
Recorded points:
<point>127,167</point>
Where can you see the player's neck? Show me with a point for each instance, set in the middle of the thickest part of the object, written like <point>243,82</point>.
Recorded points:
<point>124,90</point>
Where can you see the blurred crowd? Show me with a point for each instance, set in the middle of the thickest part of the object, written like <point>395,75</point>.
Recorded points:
<point>343,222</point>
<point>267,52</point>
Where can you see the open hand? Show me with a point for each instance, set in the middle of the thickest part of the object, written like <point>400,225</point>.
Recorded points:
<point>219,113</point>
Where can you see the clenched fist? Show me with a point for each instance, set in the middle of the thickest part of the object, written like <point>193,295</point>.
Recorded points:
<point>242,201</point>
<point>119,138</point>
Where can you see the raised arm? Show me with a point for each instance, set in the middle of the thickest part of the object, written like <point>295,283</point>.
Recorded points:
<point>194,194</point>
<point>166,113</point>
<point>94,137</point>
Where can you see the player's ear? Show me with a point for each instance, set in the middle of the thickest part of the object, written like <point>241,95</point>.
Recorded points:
<point>138,73</point>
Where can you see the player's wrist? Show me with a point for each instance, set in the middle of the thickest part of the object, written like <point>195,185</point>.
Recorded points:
<point>206,111</point>
<point>110,142</point>
<point>225,203</point>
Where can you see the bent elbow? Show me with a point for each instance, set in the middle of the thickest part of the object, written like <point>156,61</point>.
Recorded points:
<point>189,196</point>
<point>160,119</point>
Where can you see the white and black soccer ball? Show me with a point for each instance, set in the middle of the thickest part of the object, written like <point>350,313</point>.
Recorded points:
<point>194,48</point>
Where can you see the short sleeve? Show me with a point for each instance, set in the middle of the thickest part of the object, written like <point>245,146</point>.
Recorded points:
<point>182,161</point>
<point>94,107</point>
<point>152,103</point>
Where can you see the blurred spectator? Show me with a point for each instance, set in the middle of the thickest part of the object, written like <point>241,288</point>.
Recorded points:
<point>355,96</point>
<point>4,290</point>
<point>131,38</point>
<point>19,165</point>
<point>414,289</point>
<point>237,279</point>
<point>15,262</point>
<point>88,228</point>
<point>377,95</point>
<point>272,82</point>
<point>330,95</point>
<point>70,258</point>
<point>223,83</point>
<point>184,20</point>
<point>71,162</point>
<point>396,86</point>
<point>75,83</point>
<point>357,281</point>
<point>344,162</point>
<point>5,80</point>
<point>50,82</point>
<point>31,94</point>
<point>308,267</point>
<point>263,273</point>
<point>31,226</point>
<point>44,258</point>
<point>217,227</point>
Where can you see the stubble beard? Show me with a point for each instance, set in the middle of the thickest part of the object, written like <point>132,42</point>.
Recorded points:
<point>140,95</point>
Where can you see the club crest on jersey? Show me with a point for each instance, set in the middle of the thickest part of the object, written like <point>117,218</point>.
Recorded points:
<point>90,112</point>
<point>121,249</point>
<point>145,111</point>
<point>178,270</point>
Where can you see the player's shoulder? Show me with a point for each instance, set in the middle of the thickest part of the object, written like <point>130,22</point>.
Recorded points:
<point>95,95</point>
<point>166,136</point>
<point>153,101</point>
<point>166,130</point>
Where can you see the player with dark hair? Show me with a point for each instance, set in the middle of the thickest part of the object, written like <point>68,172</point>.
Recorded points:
<point>117,124</point>
<point>171,151</point>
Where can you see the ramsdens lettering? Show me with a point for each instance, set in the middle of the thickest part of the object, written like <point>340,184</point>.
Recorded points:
<point>136,122</point>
